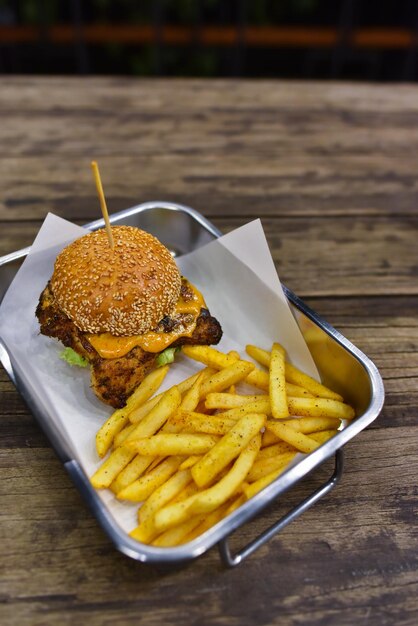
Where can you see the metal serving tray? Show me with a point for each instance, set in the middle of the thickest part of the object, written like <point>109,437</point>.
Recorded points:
<point>341,365</point>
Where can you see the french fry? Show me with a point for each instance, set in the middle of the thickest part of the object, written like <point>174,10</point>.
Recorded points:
<point>175,536</point>
<point>191,398</point>
<point>227,448</point>
<point>166,444</point>
<point>173,514</point>
<point>112,426</point>
<point>275,449</point>
<point>139,413</point>
<point>144,533</point>
<point>168,403</point>
<point>258,406</point>
<point>323,435</point>
<point>135,468</point>
<point>295,376</point>
<point>251,489</point>
<point>185,385</point>
<point>224,378</point>
<point>263,467</point>
<point>202,423</point>
<point>176,489</point>
<point>209,356</point>
<point>295,438</point>
<point>269,438</point>
<point>174,424</point>
<point>218,360</point>
<point>164,493</point>
<point>120,417</point>
<point>147,388</point>
<point>189,490</point>
<point>236,502</point>
<point>296,391</point>
<point>120,437</point>
<point>144,486</point>
<point>277,383</point>
<point>190,461</point>
<point>309,425</point>
<point>209,520</point>
<point>320,407</point>
<point>156,460</point>
<point>110,468</point>
<point>121,457</point>
<point>259,355</point>
<point>210,499</point>
<point>258,378</point>
<point>230,401</point>
<point>201,408</point>
<point>178,421</point>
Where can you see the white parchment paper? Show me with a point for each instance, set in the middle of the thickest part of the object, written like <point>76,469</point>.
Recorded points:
<point>238,279</point>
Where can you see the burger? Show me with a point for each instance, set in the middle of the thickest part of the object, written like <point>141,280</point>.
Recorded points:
<point>123,310</point>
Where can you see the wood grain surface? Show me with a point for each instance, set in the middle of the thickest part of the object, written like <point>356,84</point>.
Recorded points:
<point>331,170</point>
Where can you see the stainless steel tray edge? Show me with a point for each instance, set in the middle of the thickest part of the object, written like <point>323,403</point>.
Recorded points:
<point>220,532</point>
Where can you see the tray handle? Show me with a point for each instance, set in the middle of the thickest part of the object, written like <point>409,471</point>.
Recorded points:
<point>232,560</point>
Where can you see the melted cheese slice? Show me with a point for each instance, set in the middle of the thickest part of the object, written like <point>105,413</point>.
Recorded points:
<point>110,347</point>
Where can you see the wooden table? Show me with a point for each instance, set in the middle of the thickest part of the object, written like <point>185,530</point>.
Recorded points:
<point>332,171</point>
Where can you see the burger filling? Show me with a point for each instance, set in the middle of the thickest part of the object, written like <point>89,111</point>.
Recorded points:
<point>119,364</point>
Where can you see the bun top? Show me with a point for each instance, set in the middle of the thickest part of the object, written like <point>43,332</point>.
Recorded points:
<point>125,291</point>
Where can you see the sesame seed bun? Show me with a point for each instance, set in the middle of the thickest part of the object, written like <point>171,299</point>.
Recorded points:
<point>125,291</point>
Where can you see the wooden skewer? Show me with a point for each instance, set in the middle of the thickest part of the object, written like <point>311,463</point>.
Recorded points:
<point>102,199</point>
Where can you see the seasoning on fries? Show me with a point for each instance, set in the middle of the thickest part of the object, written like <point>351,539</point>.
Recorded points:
<point>194,453</point>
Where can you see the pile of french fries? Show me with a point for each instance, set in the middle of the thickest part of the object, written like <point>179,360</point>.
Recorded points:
<point>195,452</point>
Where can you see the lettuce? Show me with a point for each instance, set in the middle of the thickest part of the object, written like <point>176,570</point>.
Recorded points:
<point>72,358</point>
<point>165,357</point>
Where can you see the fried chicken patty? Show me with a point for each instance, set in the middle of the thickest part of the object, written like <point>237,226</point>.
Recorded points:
<point>114,380</point>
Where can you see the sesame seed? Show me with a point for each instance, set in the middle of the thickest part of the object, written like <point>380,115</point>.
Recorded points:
<point>125,291</point>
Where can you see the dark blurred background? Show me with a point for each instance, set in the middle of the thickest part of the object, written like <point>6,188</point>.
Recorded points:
<point>340,39</point>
